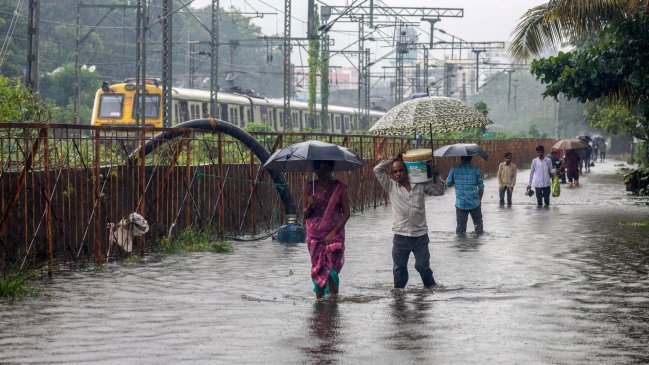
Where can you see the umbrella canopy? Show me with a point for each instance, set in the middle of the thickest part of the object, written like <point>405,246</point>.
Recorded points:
<point>460,149</point>
<point>569,144</point>
<point>300,157</point>
<point>585,138</point>
<point>421,113</point>
<point>598,137</point>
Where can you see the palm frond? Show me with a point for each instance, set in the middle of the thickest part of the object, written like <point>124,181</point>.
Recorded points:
<point>549,24</point>
<point>537,29</point>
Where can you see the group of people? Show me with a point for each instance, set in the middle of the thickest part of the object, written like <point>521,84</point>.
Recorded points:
<point>326,211</point>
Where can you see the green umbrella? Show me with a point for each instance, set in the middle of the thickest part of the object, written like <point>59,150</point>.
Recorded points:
<point>442,114</point>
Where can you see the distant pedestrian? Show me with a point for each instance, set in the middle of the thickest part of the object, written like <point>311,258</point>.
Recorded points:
<point>540,177</point>
<point>572,168</point>
<point>602,150</point>
<point>469,188</point>
<point>506,179</point>
<point>587,153</point>
<point>595,150</point>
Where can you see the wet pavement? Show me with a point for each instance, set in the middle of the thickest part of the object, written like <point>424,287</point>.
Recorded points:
<point>562,285</point>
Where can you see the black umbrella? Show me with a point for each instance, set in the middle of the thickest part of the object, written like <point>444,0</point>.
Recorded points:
<point>585,138</point>
<point>300,157</point>
<point>460,149</point>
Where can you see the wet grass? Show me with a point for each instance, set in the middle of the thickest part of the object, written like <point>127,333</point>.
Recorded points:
<point>15,284</point>
<point>194,240</point>
<point>644,224</point>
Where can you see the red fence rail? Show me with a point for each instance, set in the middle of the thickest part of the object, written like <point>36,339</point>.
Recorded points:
<point>60,185</point>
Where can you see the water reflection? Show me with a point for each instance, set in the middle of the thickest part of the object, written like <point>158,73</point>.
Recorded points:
<point>467,243</point>
<point>410,320</point>
<point>324,326</point>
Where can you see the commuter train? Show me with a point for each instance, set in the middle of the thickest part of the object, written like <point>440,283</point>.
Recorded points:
<point>114,106</point>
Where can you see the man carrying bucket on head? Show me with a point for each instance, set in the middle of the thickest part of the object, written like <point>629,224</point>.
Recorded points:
<point>409,212</point>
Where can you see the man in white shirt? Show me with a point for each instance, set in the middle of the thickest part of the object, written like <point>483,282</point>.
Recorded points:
<point>541,177</point>
<point>409,219</point>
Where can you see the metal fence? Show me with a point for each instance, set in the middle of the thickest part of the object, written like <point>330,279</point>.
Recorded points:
<point>60,185</point>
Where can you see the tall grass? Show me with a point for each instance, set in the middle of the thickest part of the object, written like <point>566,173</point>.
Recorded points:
<point>15,284</point>
<point>194,240</point>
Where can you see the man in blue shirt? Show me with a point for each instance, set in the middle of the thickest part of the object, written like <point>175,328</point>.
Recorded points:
<point>469,188</point>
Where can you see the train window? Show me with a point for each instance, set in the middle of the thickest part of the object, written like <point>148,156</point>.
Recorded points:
<point>337,121</point>
<point>151,106</point>
<point>206,111</point>
<point>110,105</point>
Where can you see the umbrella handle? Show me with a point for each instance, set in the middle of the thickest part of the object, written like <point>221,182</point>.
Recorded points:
<point>432,150</point>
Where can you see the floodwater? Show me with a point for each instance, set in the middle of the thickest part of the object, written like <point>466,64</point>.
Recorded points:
<point>562,285</point>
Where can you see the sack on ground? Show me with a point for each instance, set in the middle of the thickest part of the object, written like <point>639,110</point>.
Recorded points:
<point>556,187</point>
<point>591,164</point>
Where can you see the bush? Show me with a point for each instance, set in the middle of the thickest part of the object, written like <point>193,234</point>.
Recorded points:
<point>194,240</point>
<point>15,284</point>
<point>637,181</point>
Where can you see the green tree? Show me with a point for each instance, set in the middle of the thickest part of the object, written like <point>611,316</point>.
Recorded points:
<point>613,69</point>
<point>482,107</point>
<point>314,65</point>
<point>19,104</point>
<point>60,86</point>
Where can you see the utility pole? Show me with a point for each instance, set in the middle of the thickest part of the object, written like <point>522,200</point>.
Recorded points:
<point>287,66</point>
<point>167,61</point>
<point>477,67</point>
<point>31,74</point>
<point>509,88</point>
<point>214,66</point>
<point>140,61</point>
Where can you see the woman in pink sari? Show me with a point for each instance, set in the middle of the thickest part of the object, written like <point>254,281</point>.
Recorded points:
<point>326,210</point>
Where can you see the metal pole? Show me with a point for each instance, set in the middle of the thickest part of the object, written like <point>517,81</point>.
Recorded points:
<point>287,66</point>
<point>214,66</point>
<point>31,74</point>
<point>77,72</point>
<point>477,68</point>
<point>167,62</point>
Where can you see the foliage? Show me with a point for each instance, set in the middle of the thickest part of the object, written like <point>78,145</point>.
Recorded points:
<point>637,181</point>
<point>19,104</point>
<point>193,240</point>
<point>324,85</point>
<point>60,85</point>
<point>257,127</point>
<point>613,69</point>
<point>552,23</point>
<point>15,284</point>
<point>314,65</point>
<point>613,118</point>
<point>482,107</point>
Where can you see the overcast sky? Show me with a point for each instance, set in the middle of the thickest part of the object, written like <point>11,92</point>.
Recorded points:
<point>484,20</point>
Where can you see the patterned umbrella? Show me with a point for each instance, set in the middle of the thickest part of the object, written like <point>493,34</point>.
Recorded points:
<point>569,144</point>
<point>419,115</point>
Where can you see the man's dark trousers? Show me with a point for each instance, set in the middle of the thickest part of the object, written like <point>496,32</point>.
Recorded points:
<point>402,246</point>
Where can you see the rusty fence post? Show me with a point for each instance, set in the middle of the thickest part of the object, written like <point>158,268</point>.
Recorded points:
<point>97,202</point>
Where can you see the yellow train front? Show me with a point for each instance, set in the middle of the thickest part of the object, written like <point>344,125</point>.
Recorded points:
<point>115,105</point>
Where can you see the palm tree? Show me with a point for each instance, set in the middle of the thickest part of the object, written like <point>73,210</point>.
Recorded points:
<point>550,24</point>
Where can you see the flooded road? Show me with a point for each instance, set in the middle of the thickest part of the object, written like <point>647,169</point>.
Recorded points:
<point>562,285</point>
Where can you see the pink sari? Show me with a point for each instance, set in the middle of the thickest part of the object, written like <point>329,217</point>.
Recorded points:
<point>326,260</point>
